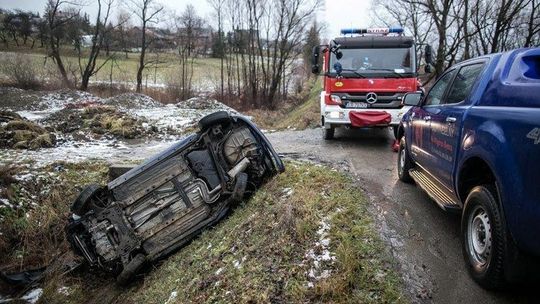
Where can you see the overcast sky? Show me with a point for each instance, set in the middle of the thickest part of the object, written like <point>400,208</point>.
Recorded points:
<point>336,14</point>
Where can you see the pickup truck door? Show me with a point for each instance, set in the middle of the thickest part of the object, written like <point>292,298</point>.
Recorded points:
<point>446,123</point>
<point>421,117</point>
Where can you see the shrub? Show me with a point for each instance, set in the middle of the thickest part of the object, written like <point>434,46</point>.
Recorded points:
<point>21,72</point>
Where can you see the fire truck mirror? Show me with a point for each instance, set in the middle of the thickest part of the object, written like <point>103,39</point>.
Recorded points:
<point>339,55</point>
<point>315,68</point>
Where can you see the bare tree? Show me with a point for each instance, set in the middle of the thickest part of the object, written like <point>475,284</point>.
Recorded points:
<point>217,5</point>
<point>100,31</point>
<point>147,11</point>
<point>56,20</point>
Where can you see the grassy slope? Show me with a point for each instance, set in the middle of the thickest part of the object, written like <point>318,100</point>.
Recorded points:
<point>300,116</point>
<point>259,253</point>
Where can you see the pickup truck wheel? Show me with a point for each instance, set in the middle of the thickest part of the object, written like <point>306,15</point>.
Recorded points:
<point>404,162</point>
<point>328,134</point>
<point>484,237</point>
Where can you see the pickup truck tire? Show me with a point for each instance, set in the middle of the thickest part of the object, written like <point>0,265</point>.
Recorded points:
<point>404,162</point>
<point>328,134</point>
<point>484,237</point>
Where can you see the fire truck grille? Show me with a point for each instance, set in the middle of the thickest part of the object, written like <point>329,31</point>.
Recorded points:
<point>379,100</point>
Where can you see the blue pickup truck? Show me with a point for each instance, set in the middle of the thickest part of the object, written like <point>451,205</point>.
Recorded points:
<point>473,144</point>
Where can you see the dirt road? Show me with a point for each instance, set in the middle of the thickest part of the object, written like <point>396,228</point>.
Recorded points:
<point>422,238</point>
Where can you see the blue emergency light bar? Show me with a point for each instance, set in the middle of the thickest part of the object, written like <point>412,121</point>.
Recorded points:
<point>381,30</point>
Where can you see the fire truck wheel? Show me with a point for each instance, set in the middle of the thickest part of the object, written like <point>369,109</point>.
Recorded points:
<point>328,134</point>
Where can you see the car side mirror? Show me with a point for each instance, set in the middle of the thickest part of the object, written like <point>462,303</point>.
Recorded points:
<point>315,68</point>
<point>412,99</point>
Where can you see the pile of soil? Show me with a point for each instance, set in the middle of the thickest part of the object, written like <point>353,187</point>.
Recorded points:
<point>202,103</point>
<point>28,100</point>
<point>19,133</point>
<point>98,121</point>
<point>132,101</point>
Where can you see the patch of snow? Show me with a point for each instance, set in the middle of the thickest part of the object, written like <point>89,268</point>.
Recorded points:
<point>320,255</point>
<point>172,297</point>
<point>286,192</point>
<point>64,290</point>
<point>4,202</point>
<point>33,295</point>
<point>219,271</point>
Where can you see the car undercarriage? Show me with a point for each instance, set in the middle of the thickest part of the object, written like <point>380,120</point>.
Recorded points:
<point>160,205</point>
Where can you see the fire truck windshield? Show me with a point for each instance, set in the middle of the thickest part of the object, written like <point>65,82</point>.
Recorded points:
<point>385,62</point>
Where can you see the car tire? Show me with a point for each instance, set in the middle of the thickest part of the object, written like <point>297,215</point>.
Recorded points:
<point>240,187</point>
<point>221,117</point>
<point>81,205</point>
<point>404,162</point>
<point>328,134</point>
<point>484,237</point>
<point>131,269</point>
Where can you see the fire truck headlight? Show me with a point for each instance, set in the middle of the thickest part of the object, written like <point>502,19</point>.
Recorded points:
<point>335,115</point>
<point>335,99</point>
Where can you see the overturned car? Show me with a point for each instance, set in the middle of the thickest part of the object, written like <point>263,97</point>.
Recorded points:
<point>158,206</point>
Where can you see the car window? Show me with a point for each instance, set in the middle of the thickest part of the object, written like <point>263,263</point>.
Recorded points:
<point>463,83</point>
<point>436,94</point>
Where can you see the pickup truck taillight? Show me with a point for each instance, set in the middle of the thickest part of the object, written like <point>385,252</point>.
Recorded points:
<point>332,99</point>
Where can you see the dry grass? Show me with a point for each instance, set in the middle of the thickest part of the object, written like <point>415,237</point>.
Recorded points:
<point>258,254</point>
<point>32,234</point>
<point>299,116</point>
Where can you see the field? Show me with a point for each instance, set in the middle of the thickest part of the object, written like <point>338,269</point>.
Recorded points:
<point>122,70</point>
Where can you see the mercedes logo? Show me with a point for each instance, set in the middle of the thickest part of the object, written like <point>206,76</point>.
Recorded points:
<point>371,98</point>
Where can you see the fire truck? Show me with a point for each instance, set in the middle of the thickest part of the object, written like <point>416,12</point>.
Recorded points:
<point>366,73</point>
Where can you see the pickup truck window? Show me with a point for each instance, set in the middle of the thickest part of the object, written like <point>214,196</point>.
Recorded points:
<point>463,83</point>
<point>436,94</point>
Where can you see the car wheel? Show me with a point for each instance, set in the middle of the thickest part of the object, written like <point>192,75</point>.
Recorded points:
<point>221,117</point>
<point>484,238</point>
<point>81,205</point>
<point>404,162</point>
<point>130,270</point>
<point>240,187</point>
<point>328,134</point>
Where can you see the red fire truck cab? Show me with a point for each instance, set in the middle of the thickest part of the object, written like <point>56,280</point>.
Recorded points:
<point>366,73</point>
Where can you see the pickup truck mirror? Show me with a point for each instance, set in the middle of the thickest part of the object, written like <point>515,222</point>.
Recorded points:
<point>412,99</point>
<point>315,68</point>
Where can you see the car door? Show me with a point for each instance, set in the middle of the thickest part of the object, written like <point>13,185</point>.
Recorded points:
<point>420,120</point>
<point>446,121</point>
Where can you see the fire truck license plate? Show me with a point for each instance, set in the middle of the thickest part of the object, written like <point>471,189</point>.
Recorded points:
<point>357,105</point>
